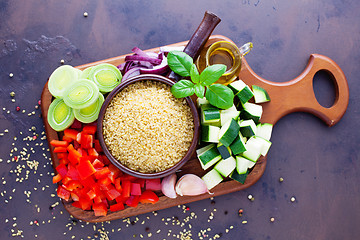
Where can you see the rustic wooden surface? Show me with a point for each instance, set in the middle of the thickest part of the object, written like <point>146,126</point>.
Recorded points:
<point>320,165</point>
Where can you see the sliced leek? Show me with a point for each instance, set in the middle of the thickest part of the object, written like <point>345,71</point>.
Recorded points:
<point>60,116</point>
<point>105,76</point>
<point>86,72</point>
<point>60,79</point>
<point>81,94</point>
<point>90,113</point>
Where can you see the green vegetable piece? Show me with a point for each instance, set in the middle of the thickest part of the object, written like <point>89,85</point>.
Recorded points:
<point>86,73</point>
<point>62,77</point>
<point>180,63</point>
<point>183,88</point>
<point>106,76</point>
<point>81,94</point>
<point>89,114</point>
<point>220,96</point>
<point>60,116</point>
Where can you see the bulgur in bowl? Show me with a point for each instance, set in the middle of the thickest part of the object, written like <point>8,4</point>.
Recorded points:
<point>144,130</point>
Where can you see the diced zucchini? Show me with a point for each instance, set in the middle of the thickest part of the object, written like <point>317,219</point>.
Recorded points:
<point>243,164</point>
<point>228,132</point>
<point>210,133</point>
<point>241,90</point>
<point>260,94</point>
<point>209,156</point>
<point>201,101</point>
<point>210,115</point>
<point>266,144</point>
<point>224,151</point>
<point>239,177</point>
<point>253,149</point>
<point>204,149</point>
<point>248,128</point>
<point>227,114</point>
<point>238,145</point>
<point>264,130</point>
<point>251,111</point>
<point>212,178</point>
<point>226,166</point>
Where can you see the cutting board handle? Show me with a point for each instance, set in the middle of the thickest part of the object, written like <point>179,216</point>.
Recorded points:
<point>298,94</point>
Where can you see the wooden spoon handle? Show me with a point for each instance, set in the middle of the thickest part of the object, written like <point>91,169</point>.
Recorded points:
<point>298,94</point>
<point>199,38</point>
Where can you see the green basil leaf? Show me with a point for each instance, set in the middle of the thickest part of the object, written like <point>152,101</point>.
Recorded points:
<point>194,74</point>
<point>180,63</point>
<point>183,88</point>
<point>211,74</point>
<point>220,96</point>
<point>199,90</point>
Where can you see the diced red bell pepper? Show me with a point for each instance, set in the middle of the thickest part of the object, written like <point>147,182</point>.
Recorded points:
<point>65,138</point>
<point>129,178</point>
<point>74,156</point>
<point>121,199</point>
<point>133,201</point>
<point>76,124</point>
<point>141,181</point>
<point>97,146</point>
<point>82,151</point>
<point>148,197</point>
<point>135,189</point>
<point>93,153</point>
<point>153,184</point>
<point>62,169</point>
<point>102,173</point>
<point>72,173</point>
<point>104,184</point>
<point>91,194</point>
<point>57,178</point>
<point>114,170</point>
<point>85,169</point>
<point>76,204</point>
<point>60,150</point>
<point>70,133</point>
<point>72,185</point>
<point>97,164</point>
<point>86,141</point>
<point>66,179</point>
<point>97,199</point>
<point>104,159</point>
<point>126,188</point>
<point>85,203</point>
<point>88,182</point>
<point>64,161</point>
<point>58,143</point>
<point>89,129</point>
<point>74,196</point>
<point>62,155</point>
<point>100,209</point>
<point>111,194</point>
<point>118,185</point>
<point>117,207</point>
<point>63,193</point>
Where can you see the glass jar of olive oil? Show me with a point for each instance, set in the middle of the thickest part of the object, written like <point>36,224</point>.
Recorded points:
<point>222,52</point>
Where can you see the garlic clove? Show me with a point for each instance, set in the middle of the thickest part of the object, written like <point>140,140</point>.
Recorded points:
<point>168,186</point>
<point>190,185</point>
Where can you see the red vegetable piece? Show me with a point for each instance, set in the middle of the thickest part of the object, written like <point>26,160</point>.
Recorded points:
<point>64,161</point>
<point>97,164</point>
<point>118,184</point>
<point>58,143</point>
<point>76,124</point>
<point>100,209</point>
<point>72,185</point>
<point>74,156</point>
<point>135,189</point>
<point>128,178</point>
<point>111,194</point>
<point>114,170</point>
<point>85,203</point>
<point>126,188</point>
<point>153,184</point>
<point>91,194</point>
<point>70,133</point>
<point>63,193</point>
<point>104,184</point>
<point>133,201</point>
<point>148,197</point>
<point>86,141</point>
<point>62,155</point>
<point>62,169</point>
<point>85,169</point>
<point>57,178</point>
<point>66,138</point>
<point>74,196</point>
<point>117,207</point>
<point>89,129</point>
<point>88,182</point>
<point>97,146</point>
<point>102,173</point>
<point>60,150</point>
<point>93,153</point>
<point>121,199</point>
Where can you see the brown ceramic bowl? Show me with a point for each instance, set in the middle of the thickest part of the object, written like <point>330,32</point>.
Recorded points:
<point>124,168</point>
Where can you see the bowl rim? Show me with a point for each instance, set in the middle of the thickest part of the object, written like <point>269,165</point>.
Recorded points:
<point>125,169</point>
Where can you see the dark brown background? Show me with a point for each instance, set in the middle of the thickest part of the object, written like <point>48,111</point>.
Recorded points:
<point>320,165</point>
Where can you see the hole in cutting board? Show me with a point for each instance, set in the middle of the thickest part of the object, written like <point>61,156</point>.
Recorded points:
<point>324,88</point>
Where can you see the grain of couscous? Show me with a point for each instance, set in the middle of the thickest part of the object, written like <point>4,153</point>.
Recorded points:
<point>146,128</point>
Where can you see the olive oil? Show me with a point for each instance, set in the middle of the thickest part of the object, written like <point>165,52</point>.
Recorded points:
<point>222,56</point>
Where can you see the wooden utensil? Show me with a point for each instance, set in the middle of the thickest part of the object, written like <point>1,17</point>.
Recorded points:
<point>287,97</point>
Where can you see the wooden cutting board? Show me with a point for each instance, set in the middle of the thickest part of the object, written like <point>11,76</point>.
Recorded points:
<point>286,97</point>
